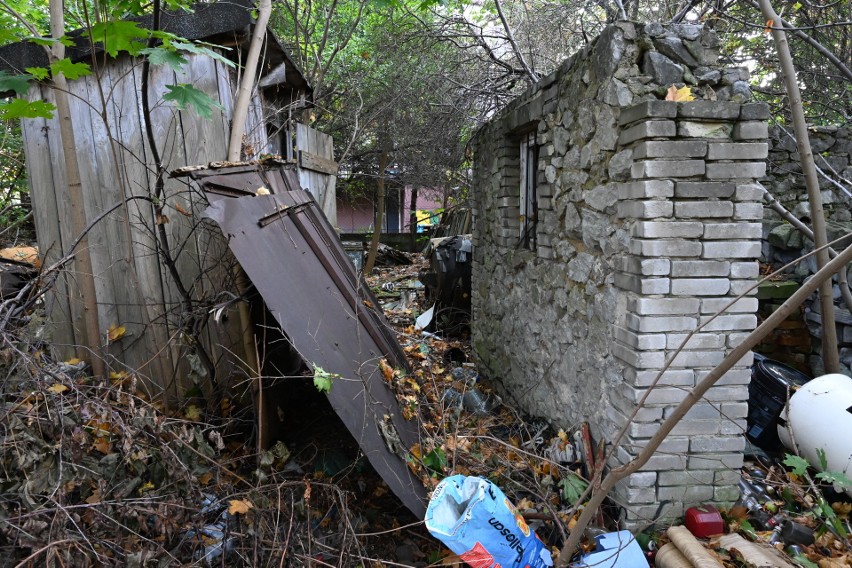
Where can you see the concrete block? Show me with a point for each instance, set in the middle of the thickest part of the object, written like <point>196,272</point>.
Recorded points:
<point>647,324</point>
<point>710,461</point>
<point>639,285</point>
<point>636,495</point>
<point>671,445</point>
<point>734,410</point>
<point>743,288</point>
<point>642,342</point>
<point>697,341</point>
<point>668,229</point>
<point>751,130</point>
<point>701,209</point>
<point>688,494</point>
<point>685,477</point>
<point>648,129</point>
<point>733,426</point>
<point>657,395</point>
<point>697,359</point>
<point>675,378</point>
<point>644,267</point>
<point>716,444</point>
<point>716,110</point>
<point>749,192</point>
<point>646,110</point>
<point>704,189</point>
<point>665,247</point>
<point>726,477</point>
<point>696,427</point>
<point>733,230</point>
<point>726,494</point>
<point>700,268</point>
<point>690,129</point>
<point>739,322</point>
<point>648,209</point>
<point>637,517</point>
<point>663,306</point>
<point>715,305</point>
<point>645,189</point>
<point>667,168</point>
<point>670,149</point>
<point>701,411</point>
<point>748,211</point>
<point>754,111</point>
<point>731,249</point>
<point>638,359</point>
<point>737,151</point>
<point>745,269</point>
<point>642,479</point>
<point>735,170</point>
<point>735,393</point>
<point>733,377</point>
<point>700,286</point>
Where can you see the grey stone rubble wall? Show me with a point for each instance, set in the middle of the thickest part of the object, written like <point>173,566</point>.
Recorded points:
<point>648,224</point>
<point>832,149</point>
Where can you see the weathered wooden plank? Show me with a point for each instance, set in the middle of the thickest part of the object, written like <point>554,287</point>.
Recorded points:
<point>316,163</point>
<point>321,184</point>
<point>149,358</point>
<point>91,147</point>
<point>40,174</point>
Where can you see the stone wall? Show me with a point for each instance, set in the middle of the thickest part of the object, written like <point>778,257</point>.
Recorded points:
<point>832,149</point>
<point>648,224</point>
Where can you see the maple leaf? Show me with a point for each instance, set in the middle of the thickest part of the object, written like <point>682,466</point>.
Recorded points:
<point>185,95</point>
<point>118,35</point>
<point>683,94</point>
<point>165,56</point>
<point>18,83</point>
<point>114,333</point>
<point>19,108</point>
<point>70,69</point>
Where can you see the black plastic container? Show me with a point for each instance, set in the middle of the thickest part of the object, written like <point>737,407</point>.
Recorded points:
<point>771,383</point>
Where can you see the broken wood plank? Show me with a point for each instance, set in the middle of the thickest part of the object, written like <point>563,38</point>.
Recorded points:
<point>317,163</point>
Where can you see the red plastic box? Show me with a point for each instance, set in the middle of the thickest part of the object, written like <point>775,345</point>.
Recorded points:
<point>704,521</point>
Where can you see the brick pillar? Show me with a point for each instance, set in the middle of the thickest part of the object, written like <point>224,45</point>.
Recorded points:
<point>695,234</point>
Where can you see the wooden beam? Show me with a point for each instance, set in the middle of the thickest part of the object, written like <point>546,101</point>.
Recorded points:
<point>316,163</point>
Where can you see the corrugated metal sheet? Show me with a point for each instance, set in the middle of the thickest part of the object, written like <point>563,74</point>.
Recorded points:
<point>296,262</point>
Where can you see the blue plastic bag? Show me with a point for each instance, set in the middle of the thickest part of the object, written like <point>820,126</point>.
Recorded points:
<point>478,522</point>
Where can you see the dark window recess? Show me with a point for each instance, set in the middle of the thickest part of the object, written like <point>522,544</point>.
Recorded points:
<point>529,197</point>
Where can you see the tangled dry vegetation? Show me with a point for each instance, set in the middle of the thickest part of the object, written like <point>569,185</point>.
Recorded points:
<point>95,473</point>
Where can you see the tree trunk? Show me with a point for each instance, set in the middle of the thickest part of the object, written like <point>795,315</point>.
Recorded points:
<point>830,355</point>
<point>380,213</point>
<point>238,122</point>
<point>84,274</point>
<point>412,218</point>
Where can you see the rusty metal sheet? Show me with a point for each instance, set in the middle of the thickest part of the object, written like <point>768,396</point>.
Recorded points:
<point>296,262</point>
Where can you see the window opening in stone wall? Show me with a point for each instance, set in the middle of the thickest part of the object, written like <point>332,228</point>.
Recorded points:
<point>529,198</point>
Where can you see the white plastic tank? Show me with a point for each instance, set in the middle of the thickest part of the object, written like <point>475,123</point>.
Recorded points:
<point>820,417</point>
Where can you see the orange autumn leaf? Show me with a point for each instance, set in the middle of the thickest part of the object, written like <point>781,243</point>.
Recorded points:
<point>387,370</point>
<point>182,211</point>
<point>769,25</point>
<point>684,94</point>
<point>102,445</point>
<point>239,506</point>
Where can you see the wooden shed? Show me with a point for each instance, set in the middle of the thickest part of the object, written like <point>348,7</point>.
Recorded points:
<point>143,311</point>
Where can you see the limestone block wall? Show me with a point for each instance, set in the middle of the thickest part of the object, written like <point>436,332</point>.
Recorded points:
<point>648,223</point>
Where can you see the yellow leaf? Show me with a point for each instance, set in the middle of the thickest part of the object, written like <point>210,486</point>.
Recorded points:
<point>147,486</point>
<point>239,506</point>
<point>193,412</point>
<point>114,333</point>
<point>680,95</point>
<point>73,361</point>
<point>57,388</point>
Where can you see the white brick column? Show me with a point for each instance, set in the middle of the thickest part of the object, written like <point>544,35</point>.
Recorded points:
<point>694,217</point>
